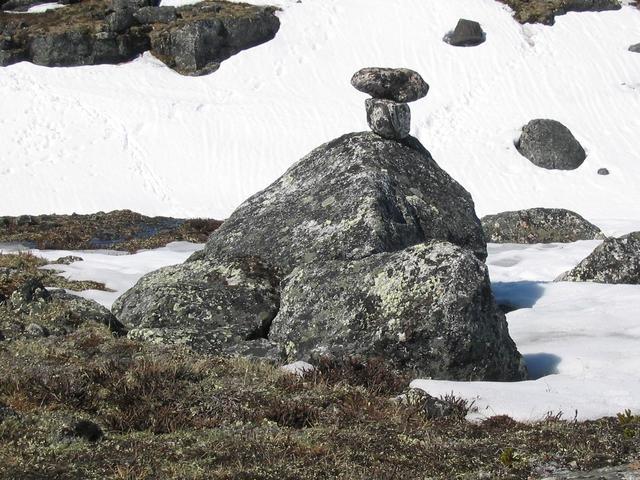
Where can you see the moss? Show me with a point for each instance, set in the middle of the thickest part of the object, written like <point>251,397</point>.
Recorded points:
<point>169,413</point>
<point>120,229</point>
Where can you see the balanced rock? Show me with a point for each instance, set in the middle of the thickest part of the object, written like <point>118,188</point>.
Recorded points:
<point>427,308</point>
<point>538,225</point>
<point>398,84</point>
<point>551,145</point>
<point>388,119</point>
<point>635,48</point>
<point>616,260</point>
<point>467,33</point>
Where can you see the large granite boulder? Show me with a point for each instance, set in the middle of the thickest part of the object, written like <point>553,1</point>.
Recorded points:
<point>428,308</point>
<point>214,307</point>
<point>538,225</point>
<point>617,260</point>
<point>551,145</point>
<point>353,197</point>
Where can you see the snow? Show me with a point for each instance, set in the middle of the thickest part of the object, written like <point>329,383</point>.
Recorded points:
<point>579,340</point>
<point>43,7</point>
<point>140,136</point>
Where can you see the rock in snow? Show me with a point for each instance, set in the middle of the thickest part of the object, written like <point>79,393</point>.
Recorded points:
<point>388,119</point>
<point>467,33</point>
<point>635,48</point>
<point>364,247</point>
<point>549,144</point>
<point>538,225</point>
<point>617,260</point>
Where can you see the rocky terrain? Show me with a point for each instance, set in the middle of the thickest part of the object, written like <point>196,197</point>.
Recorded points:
<point>192,40</point>
<point>117,230</point>
<point>545,11</point>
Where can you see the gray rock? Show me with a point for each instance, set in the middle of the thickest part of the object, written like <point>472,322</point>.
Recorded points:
<point>538,225</point>
<point>9,57</point>
<point>635,48</point>
<point>81,430</point>
<point>30,294</point>
<point>617,260</point>
<point>79,47</point>
<point>603,171</point>
<point>196,47</point>
<point>68,260</point>
<point>591,5</point>
<point>467,33</point>
<point>388,119</point>
<point>620,472</point>
<point>428,308</point>
<point>221,308</point>
<point>120,20</point>
<point>36,331</point>
<point>192,48</point>
<point>82,310</point>
<point>549,144</point>
<point>353,197</point>
<point>147,15</point>
<point>398,84</point>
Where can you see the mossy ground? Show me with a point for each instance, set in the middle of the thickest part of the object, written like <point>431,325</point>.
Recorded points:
<point>537,11</point>
<point>120,229</point>
<point>15,269</point>
<point>169,413</point>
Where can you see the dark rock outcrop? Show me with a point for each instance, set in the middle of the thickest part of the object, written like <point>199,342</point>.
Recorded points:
<point>545,11</point>
<point>193,39</point>
<point>467,33</point>
<point>616,261</point>
<point>551,145</point>
<point>428,308</point>
<point>388,119</point>
<point>398,84</point>
<point>538,225</point>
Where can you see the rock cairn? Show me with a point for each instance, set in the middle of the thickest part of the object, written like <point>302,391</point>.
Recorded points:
<point>391,89</point>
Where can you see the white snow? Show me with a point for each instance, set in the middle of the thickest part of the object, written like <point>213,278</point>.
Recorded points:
<point>140,136</point>
<point>580,340</point>
<point>43,7</point>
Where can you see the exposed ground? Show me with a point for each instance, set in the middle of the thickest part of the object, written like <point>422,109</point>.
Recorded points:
<point>167,413</point>
<point>545,11</point>
<point>120,230</point>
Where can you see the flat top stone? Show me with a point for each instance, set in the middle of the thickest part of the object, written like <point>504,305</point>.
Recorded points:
<point>397,84</point>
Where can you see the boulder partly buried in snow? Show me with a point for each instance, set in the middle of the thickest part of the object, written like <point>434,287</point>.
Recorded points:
<point>353,197</point>
<point>538,225</point>
<point>224,307</point>
<point>428,308</point>
<point>551,145</point>
<point>617,260</point>
<point>635,48</point>
<point>467,33</point>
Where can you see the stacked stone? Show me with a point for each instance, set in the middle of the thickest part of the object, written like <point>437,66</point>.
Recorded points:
<point>391,89</point>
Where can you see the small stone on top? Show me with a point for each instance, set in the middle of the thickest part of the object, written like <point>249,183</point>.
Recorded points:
<point>398,84</point>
